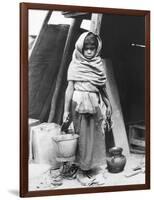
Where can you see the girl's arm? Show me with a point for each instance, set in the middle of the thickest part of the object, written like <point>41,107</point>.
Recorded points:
<point>106,100</point>
<point>68,98</point>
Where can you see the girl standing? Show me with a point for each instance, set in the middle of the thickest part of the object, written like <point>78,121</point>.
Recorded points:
<point>87,102</point>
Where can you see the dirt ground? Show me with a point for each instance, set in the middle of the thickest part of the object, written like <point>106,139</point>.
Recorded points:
<point>40,176</point>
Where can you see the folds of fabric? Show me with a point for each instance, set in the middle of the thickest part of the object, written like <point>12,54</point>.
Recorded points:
<point>91,151</point>
<point>83,69</point>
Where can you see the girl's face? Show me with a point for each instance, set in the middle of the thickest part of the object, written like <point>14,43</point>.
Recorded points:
<point>89,51</point>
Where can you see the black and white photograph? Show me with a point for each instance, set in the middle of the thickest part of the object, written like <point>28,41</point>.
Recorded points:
<point>87,99</point>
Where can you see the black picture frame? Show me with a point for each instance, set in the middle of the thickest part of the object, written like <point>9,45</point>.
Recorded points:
<point>24,151</point>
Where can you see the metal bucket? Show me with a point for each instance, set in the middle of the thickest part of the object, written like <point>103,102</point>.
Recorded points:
<point>67,144</point>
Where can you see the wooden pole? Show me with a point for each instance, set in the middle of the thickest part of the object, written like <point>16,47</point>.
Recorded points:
<point>118,129</point>
<point>46,105</point>
<point>95,25</point>
<point>64,64</point>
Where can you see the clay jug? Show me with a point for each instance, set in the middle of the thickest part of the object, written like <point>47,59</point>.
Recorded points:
<point>116,161</point>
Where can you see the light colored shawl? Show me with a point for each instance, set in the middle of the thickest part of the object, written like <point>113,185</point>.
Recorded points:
<point>83,69</point>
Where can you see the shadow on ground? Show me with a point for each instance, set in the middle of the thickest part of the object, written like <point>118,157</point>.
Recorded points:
<point>14,192</point>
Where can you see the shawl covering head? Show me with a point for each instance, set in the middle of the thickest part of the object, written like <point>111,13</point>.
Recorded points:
<point>83,69</point>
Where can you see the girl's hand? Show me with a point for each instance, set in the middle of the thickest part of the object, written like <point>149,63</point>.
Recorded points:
<point>65,116</point>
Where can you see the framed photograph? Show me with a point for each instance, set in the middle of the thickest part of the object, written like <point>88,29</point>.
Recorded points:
<point>84,99</point>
